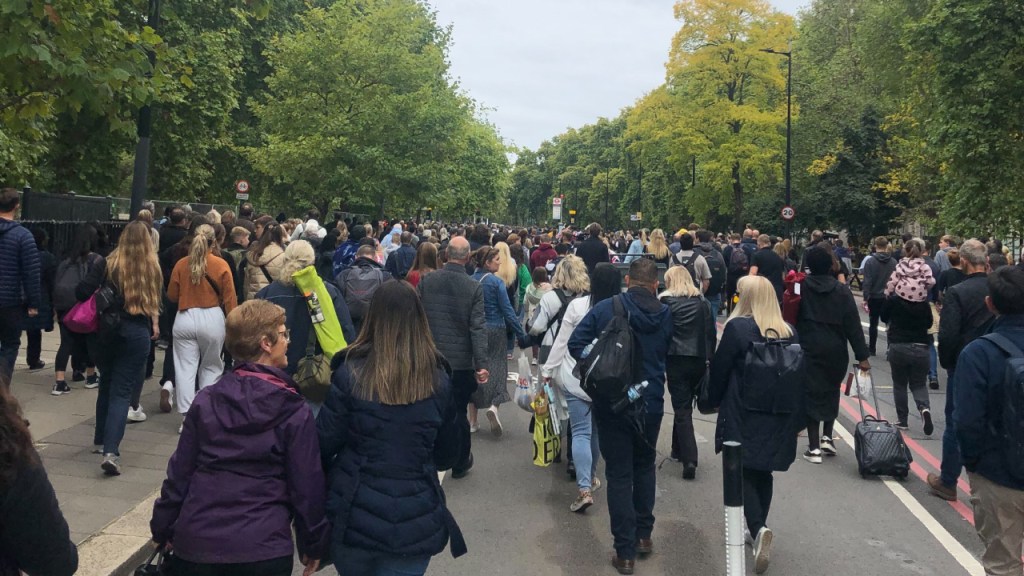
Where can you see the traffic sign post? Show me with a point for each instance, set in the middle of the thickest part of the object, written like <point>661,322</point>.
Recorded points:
<point>788,213</point>
<point>242,190</point>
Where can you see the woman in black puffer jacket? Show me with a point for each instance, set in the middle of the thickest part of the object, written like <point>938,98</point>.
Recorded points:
<point>387,428</point>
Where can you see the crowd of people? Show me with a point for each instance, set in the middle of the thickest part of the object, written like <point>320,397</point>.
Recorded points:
<point>428,317</point>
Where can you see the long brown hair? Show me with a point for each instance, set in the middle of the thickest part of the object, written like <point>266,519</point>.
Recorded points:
<point>134,269</point>
<point>400,360</point>
<point>15,440</point>
<point>426,258</point>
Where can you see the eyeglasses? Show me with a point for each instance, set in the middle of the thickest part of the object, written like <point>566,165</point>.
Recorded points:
<point>287,334</point>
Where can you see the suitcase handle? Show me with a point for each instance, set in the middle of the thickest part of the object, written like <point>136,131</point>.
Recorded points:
<point>860,401</point>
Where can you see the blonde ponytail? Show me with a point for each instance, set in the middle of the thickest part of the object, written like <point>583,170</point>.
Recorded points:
<point>201,244</point>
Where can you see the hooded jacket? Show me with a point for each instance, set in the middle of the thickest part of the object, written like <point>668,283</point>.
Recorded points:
<point>246,466</point>
<point>541,255</point>
<point>877,270</point>
<point>255,280</point>
<point>651,322</point>
<point>19,267</point>
<point>387,241</point>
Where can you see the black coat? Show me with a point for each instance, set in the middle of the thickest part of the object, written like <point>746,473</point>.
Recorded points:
<point>34,536</point>
<point>454,304</point>
<point>828,320</point>
<point>297,320</point>
<point>769,440</point>
<point>908,321</point>
<point>964,317</point>
<point>382,461</point>
<point>693,328</point>
<point>593,251</point>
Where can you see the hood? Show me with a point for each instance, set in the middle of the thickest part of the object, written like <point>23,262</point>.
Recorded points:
<point>6,225</point>
<point>882,257</point>
<point>545,246</point>
<point>254,398</point>
<point>821,283</point>
<point>646,312</point>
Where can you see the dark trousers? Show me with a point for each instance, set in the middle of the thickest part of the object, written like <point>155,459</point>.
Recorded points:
<point>78,347</point>
<point>121,360</point>
<point>684,373</point>
<point>10,341</point>
<point>757,498</point>
<point>815,430</point>
<point>34,348</point>
<point>463,386</point>
<point>951,461</point>
<point>359,562</point>
<point>874,315</point>
<point>276,567</point>
<point>909,366</point>
<point>167,316</point>
<point>629,457</point>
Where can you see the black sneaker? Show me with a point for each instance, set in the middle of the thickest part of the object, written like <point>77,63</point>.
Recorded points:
<point>828,448</point>
<point>92,381</point>
<point>60,388</point>
<point>78,376</point>
<point>933,383</point>
<point>929,427</point>
<point>461,472</point>
<point>689,471</point>
<point>37,365</point>
<point>902,426</point>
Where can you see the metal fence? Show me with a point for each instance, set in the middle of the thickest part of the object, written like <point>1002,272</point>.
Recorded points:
<point>62,234</point>
<point>47,206</point>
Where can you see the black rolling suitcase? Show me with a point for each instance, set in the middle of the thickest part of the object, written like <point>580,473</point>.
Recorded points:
<point>878,443</point>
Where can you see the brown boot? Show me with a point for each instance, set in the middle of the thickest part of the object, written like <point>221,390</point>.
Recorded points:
<point>941,490</point>
<point>623,566</point>
<point>644,546</point>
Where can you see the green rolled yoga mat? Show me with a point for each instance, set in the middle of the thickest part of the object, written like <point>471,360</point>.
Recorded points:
<point>320,305</point>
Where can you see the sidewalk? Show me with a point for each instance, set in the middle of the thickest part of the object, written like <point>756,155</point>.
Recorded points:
<point>108,516</point>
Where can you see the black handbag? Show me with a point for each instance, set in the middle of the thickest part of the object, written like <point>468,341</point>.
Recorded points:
<point>158,564</point>
<point>703,397</point>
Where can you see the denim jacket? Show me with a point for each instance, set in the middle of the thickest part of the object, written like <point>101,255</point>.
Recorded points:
<point>498,311</point>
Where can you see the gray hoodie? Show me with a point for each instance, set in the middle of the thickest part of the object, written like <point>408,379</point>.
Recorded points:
<point>877,271</point>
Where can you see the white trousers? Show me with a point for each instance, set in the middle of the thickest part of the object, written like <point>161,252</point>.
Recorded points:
<point>198,340</point>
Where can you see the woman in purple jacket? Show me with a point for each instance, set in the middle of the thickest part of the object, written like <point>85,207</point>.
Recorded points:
<point>247,464</point>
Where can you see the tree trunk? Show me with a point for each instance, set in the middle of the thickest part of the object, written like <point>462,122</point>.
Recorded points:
<point>737,198</point>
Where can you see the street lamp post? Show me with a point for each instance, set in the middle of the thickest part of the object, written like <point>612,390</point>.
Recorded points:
<point>789,115</point>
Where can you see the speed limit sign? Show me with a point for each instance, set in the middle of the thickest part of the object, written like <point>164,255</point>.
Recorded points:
<point>788,213</point>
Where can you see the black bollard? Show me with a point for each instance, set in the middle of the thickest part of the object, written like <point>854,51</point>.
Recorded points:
<point>732,491</point>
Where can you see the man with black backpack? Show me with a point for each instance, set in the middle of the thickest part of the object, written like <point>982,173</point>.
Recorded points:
<point>716,264</point>
<point>989,419</point>
<point>694,263</point>
<point>360,281</point>
<point>628,421</point>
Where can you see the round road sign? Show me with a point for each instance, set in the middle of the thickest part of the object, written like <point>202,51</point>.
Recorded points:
<point>242,186</point>
<point>788,213</point>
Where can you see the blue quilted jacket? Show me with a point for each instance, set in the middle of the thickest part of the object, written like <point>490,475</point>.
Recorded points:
<point>19,266</point>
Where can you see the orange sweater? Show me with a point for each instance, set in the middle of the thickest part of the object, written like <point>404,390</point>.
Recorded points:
<point>188,295</point>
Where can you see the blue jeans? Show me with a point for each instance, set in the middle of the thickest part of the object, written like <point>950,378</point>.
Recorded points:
<point>951,462</point>
<point>585,449</point>
<point>629,467</point>
<point>359,562</point>
<point>122,363</point>
<point>716,303</point>
<point>933,363</point>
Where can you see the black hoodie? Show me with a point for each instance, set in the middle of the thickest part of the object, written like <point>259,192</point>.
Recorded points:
<point>877,270</point>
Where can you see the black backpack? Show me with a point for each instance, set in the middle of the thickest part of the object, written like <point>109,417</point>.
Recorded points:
<point>1012,418</point>
<point>689,264</point>
<point>773,376</point>
<point>614,362</point>
<point>358,284</point>
<point>739,262</point>
<point>716,262</point>
<point>69,273</point>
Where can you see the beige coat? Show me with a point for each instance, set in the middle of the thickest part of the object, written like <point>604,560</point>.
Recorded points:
<point>255,279</point>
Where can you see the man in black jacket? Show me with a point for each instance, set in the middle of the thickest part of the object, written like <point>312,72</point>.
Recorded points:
<point>400,261</point>
<point>454,304</point>
<point>877,270</point>
<point>964,318</point>
<point>20,287</point>
<point>593,250</point>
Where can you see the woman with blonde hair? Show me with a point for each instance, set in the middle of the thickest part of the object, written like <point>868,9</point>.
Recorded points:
<point>693,345</point>
<point>658,247</point>
<point>508,271</point>
<point>388,426</point>
<point>204,291</point>
<point>768,430</point>
<point>132,274</point>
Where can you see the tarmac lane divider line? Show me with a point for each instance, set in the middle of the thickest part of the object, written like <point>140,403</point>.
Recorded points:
<point>951,544</point>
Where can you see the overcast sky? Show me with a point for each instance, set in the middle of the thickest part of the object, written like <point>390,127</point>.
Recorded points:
<point>541,66</point>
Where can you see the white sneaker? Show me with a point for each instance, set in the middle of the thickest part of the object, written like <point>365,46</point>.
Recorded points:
<point>828,448</point>
<point>762,550</point>
<point>492,417</point>
<point>167,397</point>
<point>136,415</point>
<point>747,538</point>
<point>813,456</point>
<point>473,428</point>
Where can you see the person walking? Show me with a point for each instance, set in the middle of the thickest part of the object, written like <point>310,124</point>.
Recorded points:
<point>768,438</point>
<point>500,318</point>
<point>828,319</point>
<point>909,317</point>
<point>965,317</point>
<point>593,250</point>
<point>76,347</point>
<point>388,426</point>
<point>605,283</point>
<point>132,276</point>
<point>454,305</point>
<point>264,260</point>
<point>877,271</point>
<point>628,438</point>
<point>767,264</point>
<point>20,287</point>
<point>360,281</point>
<point>36,539</point>
<point>658,247</point>
<point>250,431</point>
<point>693,345</point>
<point>203,290</point>
<point>425,263</point>
<point>988,426</point>
<point>400,259</point>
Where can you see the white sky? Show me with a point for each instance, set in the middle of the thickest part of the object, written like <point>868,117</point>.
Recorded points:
<point>541,66</point>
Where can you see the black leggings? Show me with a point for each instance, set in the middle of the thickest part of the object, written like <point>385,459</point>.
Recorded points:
<point>757,498</point>
<point>813,439</point>
<point>76,346</point>
<point>275,567</point>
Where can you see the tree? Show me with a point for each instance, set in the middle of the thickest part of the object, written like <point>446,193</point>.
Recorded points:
<point>731,96</point>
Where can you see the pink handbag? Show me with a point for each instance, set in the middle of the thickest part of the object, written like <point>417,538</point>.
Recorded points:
<point>83,318</point>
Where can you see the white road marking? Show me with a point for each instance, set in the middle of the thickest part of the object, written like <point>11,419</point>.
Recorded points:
<point>880,327</point>
<point>951,544</point>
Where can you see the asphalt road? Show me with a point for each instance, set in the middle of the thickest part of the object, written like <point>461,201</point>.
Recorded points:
<point>826,518</point>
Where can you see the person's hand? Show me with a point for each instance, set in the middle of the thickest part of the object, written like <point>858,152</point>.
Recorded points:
<point>156,333</point>
<point>482,376</point>
<point>864,365</point>
<point>311,564</point>
<point>33,312</point>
